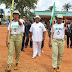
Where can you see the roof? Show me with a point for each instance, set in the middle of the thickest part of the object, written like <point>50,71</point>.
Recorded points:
<point>47,14</point>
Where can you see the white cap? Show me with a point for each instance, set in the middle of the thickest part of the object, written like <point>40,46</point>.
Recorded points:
<point>16,11</point>
<point>37,17</point>
<point>59,16</point>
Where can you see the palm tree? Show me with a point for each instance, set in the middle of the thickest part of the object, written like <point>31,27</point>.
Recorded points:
<point>50,8</point>
<point>67,6</point>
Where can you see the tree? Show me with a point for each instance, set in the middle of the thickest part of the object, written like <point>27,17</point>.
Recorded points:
<point>67,6</point>
<point>50,8</point>
<point>24,6</point>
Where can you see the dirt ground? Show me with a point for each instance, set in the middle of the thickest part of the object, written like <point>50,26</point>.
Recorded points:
<point>39,64</point>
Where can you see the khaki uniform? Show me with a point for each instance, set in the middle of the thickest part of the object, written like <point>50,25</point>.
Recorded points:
<point>22,35</point>
<point>57,51</point>
<point>15,43</point>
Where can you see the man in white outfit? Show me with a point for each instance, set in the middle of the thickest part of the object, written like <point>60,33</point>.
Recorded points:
<point>37,35</point>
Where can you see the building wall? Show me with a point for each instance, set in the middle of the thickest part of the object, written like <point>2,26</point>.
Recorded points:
<point>49,13</point>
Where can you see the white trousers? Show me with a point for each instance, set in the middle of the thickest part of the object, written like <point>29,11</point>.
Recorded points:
<point>36,48</point>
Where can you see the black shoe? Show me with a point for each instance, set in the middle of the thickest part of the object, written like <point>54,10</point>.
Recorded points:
<point>30,46</point>
<point>71,46</point>
<point>7,70</point>
<point>68,46</point>
<point>25,46</point>
<point>23,50</point>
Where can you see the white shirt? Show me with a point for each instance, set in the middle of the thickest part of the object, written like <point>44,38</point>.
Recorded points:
<point>37,30</point>
<point>15,27</point>
<point>22,26</point>
<point>58,31</point>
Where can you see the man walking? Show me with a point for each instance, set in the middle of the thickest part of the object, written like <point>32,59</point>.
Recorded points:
<point>37,35</point>
<point>68,33</point>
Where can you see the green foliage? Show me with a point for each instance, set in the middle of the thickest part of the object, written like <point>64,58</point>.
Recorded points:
<point>67,6</point>
<point>24,6</point>
<point>50,8</point>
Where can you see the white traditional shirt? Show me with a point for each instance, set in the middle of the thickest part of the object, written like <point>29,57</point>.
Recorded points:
<point>37,30</point>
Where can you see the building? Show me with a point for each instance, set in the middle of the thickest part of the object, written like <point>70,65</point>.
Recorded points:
<point>47,14</point>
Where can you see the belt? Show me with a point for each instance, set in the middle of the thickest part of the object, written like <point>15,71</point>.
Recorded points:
<point>15,34</point>
<point>58,39</point>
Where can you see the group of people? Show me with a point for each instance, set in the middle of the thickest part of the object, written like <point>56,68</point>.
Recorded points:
<point>26,35</point>
<point>69,34</point>
<point>36,31</point>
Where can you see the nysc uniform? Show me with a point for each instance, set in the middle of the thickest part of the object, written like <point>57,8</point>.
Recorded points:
<point>58,44</point>
<point>15,42</point>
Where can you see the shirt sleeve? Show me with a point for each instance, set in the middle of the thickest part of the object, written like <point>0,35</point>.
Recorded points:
<point>22,21</point>
<point>44,29</point>
<point>24,28</point>
<point>31,29</point>
<point>63,26</point>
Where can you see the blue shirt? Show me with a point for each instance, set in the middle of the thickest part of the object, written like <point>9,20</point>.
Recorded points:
<point>8,22</point>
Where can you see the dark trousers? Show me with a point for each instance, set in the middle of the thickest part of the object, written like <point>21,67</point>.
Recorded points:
<point>31,44</point>
<point>27,41</point>
<point>23,42</point>
<point>0,23</point>
<point>42,44</point>
<point>68,40</point>
<point>71,39</point>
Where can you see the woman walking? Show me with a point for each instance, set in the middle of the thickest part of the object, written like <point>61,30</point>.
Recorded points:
<point>15,41</point>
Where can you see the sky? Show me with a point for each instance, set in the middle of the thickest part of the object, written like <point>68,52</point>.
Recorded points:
<point>44,5</point>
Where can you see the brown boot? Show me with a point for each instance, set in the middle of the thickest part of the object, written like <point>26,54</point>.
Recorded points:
<point>8,69</point>
<point>16,67</point>
<point>58,70</point>
<point>54,70</point>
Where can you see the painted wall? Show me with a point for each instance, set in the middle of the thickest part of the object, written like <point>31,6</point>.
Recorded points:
<point>49,13</point>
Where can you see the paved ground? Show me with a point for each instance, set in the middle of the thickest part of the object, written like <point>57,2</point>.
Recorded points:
<point>39,64</point>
